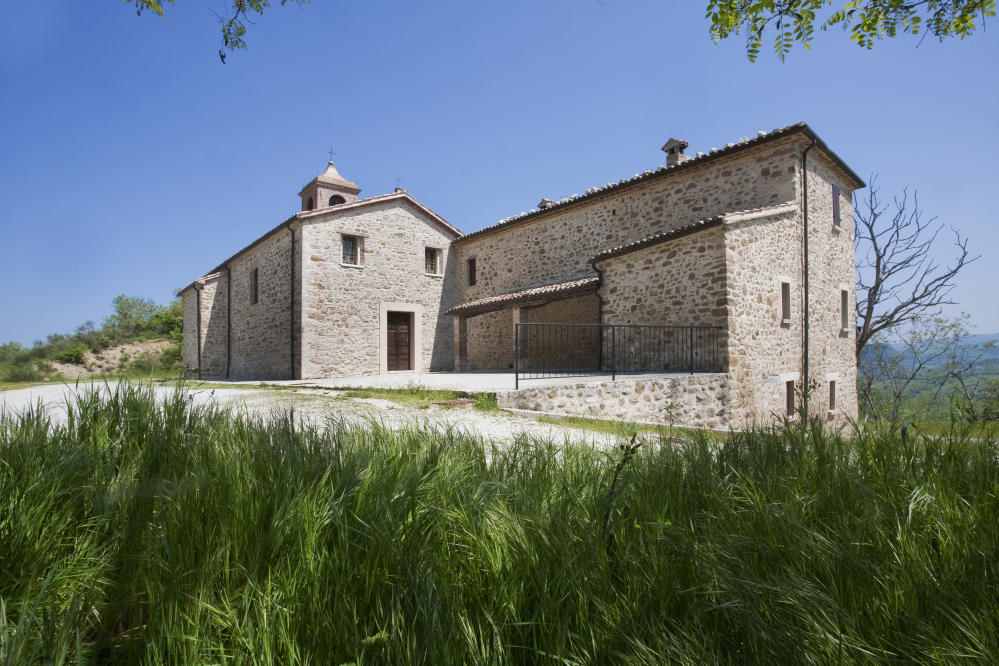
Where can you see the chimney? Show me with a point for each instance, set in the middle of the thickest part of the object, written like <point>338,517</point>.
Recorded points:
<point>674,152</point>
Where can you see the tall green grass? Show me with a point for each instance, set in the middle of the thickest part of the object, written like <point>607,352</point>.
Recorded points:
<point>166,533</point>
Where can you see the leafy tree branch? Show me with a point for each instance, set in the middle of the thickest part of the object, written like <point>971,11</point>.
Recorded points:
<point>233,20</point>
<point>866,21</point>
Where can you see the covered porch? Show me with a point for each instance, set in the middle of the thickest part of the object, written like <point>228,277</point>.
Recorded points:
<point>485,329</point>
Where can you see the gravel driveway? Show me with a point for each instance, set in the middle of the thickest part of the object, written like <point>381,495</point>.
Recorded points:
<point>318,405</point>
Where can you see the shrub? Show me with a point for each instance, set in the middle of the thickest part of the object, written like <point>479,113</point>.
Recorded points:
<point>72,354</point>
<point>10,352</point>
<point>23,372</point>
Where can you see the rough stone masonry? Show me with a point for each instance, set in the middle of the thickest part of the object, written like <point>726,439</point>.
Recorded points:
<point>351,286</point>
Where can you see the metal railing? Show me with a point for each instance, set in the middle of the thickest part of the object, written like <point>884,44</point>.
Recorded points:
<point>543,351</point>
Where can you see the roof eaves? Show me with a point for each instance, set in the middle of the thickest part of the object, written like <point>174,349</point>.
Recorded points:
<point>261,239</point>
<point>663,172</point>
<point>581,285</point>
<point>382,198</point>
<point>334,209</point>
<point>697,227</point>
<point>690,229</point>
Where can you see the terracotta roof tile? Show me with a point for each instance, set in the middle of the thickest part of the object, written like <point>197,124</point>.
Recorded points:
<point>700,225</point>
<point>559,289</point>
<point>648,174</point>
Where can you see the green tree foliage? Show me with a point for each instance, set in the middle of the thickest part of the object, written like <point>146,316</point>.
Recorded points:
<point>131,314</point>
<point>134,319</point>
<point>233,26</point>
<point>866,21</point>
<point>924,369</point>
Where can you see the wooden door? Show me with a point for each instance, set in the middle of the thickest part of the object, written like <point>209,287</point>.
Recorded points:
<point>398,347</point>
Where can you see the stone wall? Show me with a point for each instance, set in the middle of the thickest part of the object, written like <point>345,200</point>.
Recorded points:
<point>558,245</point>
<point>699,400</point>
<point>491,335</point>
<point>190,344</point>
<point>759,254</point>
<point>490,341</point>
<point>261,333</point>
<point>208,293</point>
<point>831,267</point>
<point>764,352</point>
<point>677,283</point>
<point>214,326</point>
<point>583,309</point>
<point>341,326</point>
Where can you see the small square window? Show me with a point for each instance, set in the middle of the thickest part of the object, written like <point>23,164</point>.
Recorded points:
<point>844,310</point>
<point>832,396</point>
<point>785,302</point>
<point>254,287</point>
<point>471,272</point>
<point>352,252</point>
<point>432,260</point>
<point>789,397</point>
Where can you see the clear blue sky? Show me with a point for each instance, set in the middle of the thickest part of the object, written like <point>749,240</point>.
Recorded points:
<point>132,160</point>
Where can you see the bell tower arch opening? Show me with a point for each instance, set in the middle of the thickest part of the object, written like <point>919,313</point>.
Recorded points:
<point>328,189</point>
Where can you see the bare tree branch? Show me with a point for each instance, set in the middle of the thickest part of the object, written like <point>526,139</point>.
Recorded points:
<point>897,278</point>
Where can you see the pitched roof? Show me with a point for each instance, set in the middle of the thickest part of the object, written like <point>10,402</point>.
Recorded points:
<point>334,210</point>
<point>558,290</point>
<point>697,227</point>
<point>663,172</point>
<point>331,177</point>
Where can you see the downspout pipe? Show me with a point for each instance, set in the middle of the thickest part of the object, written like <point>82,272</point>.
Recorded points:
<point>804,206</point>
<point>197,290</point>
<point>600,312</point>
<point>291,308</point>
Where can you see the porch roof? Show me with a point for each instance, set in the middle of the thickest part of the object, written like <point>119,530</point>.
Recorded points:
<point>546,292</point>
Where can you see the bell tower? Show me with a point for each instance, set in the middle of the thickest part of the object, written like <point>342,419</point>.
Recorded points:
<point>328,189</point>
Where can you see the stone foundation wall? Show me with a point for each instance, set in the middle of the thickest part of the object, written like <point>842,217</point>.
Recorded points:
<point>699,400</point>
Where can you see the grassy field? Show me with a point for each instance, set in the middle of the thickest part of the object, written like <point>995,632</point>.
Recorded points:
<point>162,533</point>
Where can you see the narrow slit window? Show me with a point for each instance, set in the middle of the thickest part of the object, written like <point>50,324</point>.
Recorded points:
<point>835,194</point>
<point>785,302</point>
<point>789,397</point>
<point>351,251</point>
<point>844,310</point>
<point>432,260</point>
<point>472,277</point>
<point>309,205</point>
<point>254,287</point>
<point>832,396</point>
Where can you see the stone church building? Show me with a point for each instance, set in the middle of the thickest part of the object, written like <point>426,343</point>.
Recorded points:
<point>752,243</point>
